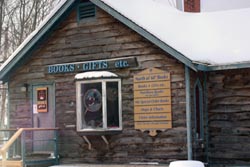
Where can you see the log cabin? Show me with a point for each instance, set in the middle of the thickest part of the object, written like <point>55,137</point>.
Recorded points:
<point>135,82</point>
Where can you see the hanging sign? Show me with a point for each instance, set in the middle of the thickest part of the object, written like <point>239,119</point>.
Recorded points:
<point>152,101</point>
<point>42,99</point>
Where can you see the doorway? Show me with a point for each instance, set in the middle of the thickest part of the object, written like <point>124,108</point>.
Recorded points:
<point>43,115</point>
<point>199,138</point>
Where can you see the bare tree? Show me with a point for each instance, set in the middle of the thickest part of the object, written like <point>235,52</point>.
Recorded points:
<point>18,18</point>
<point>2,20</point>
<point>1,17</point>
<point>21,18</point>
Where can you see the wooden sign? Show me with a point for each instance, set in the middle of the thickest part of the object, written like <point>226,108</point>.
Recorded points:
<point>152,85</point>
<point>152,101</point>
<point>152,93</point>
<point>152,109</point>
<point>153,125</point>
<point>153,117</point>
<point>42,99</point>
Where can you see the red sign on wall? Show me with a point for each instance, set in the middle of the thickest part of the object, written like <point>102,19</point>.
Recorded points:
<point>42,99</point>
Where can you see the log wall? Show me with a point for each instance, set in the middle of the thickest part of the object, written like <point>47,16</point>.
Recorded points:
<point>229,117</point>
<point>94,39</point>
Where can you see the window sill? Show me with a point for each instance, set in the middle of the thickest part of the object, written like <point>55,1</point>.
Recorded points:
<point>93,132</point>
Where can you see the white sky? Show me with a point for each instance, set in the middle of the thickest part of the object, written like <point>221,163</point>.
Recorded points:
<point>216,5</point>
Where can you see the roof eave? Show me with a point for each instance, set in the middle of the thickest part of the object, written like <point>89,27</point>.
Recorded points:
<point>233,66</point>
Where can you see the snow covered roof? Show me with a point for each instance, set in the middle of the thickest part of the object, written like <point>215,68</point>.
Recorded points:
<point>203,41</point>
<point>214,38</point>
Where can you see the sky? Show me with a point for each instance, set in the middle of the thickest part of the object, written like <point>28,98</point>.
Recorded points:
<point>216,5</point>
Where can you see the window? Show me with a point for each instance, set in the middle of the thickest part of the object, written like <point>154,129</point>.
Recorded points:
<point>198,108</point>
<point>86,10</point>
<point>98,102</point>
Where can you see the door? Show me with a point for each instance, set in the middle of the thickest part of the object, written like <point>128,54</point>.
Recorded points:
<point>199,136</point>
<point>43,99</point>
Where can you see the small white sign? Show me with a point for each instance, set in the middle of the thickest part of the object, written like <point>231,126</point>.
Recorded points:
<point>35,109</point>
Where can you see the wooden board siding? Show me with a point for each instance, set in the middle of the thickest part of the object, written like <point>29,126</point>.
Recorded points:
<point>102,38</point>
<point>229,117</point>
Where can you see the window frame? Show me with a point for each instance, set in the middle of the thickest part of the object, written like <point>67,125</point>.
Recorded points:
<point>79,104</point>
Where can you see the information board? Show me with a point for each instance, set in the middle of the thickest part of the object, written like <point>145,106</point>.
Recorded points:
<point>152,101</point>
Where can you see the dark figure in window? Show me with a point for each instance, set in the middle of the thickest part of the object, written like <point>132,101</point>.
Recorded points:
<point>112,105</point>
<point>93,111</point>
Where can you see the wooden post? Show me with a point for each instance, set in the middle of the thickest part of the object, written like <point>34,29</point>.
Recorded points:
<point>188,113</point>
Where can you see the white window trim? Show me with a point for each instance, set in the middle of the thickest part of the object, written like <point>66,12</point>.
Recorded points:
<point>104,106</point>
